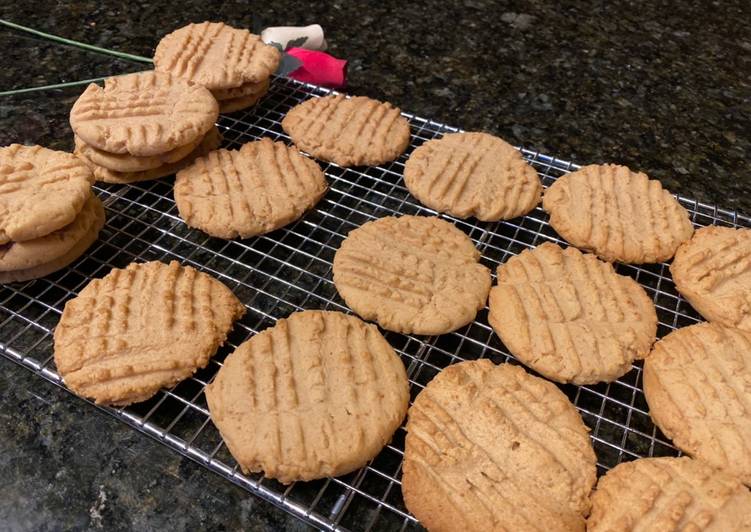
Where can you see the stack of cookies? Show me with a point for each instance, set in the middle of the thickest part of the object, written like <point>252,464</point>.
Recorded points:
<point>143,126</point>
<point>48,214</point>
<point>233,63</point>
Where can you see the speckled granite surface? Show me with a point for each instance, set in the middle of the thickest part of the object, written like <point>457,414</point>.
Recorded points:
<point>661,89</point>
<point>68,466</point>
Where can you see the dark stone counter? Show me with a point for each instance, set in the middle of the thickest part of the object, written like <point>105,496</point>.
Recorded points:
<point>661,89</point>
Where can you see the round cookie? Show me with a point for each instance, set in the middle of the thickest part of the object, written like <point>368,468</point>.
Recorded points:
<point>473,174</point>
<point>132,163</point>
<point>412,274</point>
<point>251,191</point>
<point>697,383</point>
<point>41,191</point>
<point>216,56</point>
<point>348,131</point>
<point>493,448</point>
<point>210,142</point>
<point>30,253</point>
<point>618,214</point>
<point>569,316</point>
<point>74,249</point>
<point>143,114</point>
<point>141,328</point>
<point>713,272</point>
<point>669,494</point>
<point>317,395</point>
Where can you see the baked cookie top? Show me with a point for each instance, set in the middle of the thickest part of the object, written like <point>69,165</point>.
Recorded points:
<point>569,316</point>
<point>216,55</point>
<point>31,253</point>
<point>318,394</point>
<point>411,274</point>
<point>669,494</point>
<point>141,328</point>
<point>493,448</point>
<point>697,382</point>
<point>473,174</point>
<point>259,188</point>
<point>348,131</point>
<point>618,214</point>
<point>713,271</point>
<point>41,191</point>
<point>143,114</point>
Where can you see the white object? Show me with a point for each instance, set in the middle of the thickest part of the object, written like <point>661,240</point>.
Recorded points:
<point>284,34</point>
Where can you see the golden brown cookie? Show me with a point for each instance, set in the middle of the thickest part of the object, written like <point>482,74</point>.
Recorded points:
<point>141,328</point>
<point>210,142</point>
<point>493,448</point>
<point>216,56</point>
<point>618,214</point>
<point>348,131</point>
<point>132,163</point>
<point>569,316</point>
<point>412,274</point>
<point>669,494</point>
<point>259,188</point>
<point>33,259</point>
<point>713,271</point>
<point>143,114</point>
<point>697,382</point>
<point>41,191</point>
<point>317,395</point>
<point>473,174</point>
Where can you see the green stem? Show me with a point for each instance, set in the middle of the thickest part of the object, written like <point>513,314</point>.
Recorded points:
<point>121,55</point>
<point>54,86</point>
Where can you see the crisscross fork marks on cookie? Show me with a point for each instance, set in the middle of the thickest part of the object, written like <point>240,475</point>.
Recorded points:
<point>41,191</point>
<point>619,214</point>
<point>697,386</point>
<point>138,329</point>
<point>669,494</point>
<point>534,470</point>
<point>569,316</point>
<point>124,106</point>
<point>192,47</point>
<point>324,390</point>
<point>260,187</point>
<point>534,419</point>
<point>435,433</point>
<point>411,274</point>
<point>216,55</point>
<point>472,174</point>
<point>713,271</point>
<point>348,131</point>
<point>143,114</point>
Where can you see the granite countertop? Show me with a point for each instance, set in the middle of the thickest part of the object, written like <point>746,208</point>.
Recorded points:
<point>662,90</point>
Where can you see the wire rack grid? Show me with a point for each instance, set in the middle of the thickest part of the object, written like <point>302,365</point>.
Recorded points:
<point>290,269</point>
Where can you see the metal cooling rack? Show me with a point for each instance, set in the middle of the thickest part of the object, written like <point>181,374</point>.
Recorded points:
<point>290,269</point>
